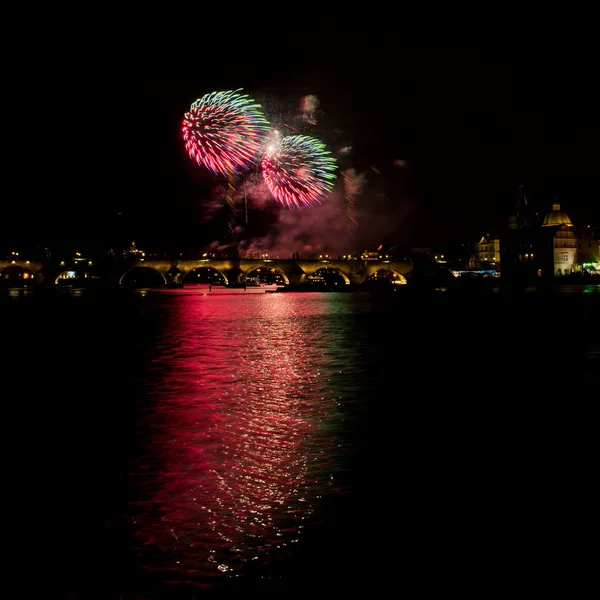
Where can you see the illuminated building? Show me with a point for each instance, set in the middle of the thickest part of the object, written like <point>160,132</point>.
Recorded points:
<point>564,242</point>
<point>135,251</point>
<point>370,255</point>
<point>553,248</point>
<point>487,251</point>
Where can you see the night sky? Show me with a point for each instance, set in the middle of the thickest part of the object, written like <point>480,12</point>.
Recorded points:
<point>443,128</point>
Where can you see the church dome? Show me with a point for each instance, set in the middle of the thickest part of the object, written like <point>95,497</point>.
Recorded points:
<point>556,217</point>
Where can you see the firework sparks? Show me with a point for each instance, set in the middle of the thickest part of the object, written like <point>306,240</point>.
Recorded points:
<point>353,184</point>
<point>225,131</point>
<point>299,170</point>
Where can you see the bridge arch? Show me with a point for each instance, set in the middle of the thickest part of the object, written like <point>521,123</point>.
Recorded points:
<point>390,275</point>
<point>224,268</point>
<point>265,271</point>
<point>73,274</point>
<point>324,271</point>
<point>204,274</point>
<point>32,266</point>
<point>65,275</point>
<point>141,267</point>
<point>16,273</point>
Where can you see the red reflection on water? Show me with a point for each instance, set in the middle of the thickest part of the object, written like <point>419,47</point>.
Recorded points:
<point>240,434</point>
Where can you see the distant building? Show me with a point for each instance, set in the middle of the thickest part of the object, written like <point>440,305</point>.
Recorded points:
<point>487,252</point>
<point>134,251</point>
<point>370,255</point>
<point>564,242</point>
<point>553,248</point>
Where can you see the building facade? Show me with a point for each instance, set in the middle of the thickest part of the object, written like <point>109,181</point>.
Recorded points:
<point>564,242</point>
<point>552,248</point>
<point>487,252</point>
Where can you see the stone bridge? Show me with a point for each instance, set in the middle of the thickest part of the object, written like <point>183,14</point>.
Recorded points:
<point>292,271</point>
<point>174,272</point>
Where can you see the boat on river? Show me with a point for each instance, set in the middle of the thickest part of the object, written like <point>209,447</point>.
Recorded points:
<point>249,288</point>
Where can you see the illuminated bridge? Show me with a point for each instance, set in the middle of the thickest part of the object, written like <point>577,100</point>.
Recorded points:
<point>291,271</point>
<point>233,271</point>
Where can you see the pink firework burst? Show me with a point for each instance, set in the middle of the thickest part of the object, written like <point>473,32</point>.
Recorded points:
<point>225,131</point>
<point>299,170</point>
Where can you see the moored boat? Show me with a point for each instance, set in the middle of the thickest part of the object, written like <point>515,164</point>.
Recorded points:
<point>260,288</point>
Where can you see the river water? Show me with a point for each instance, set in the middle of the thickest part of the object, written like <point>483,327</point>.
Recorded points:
<point>162,443</point>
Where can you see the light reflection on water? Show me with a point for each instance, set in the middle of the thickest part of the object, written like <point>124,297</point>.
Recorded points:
<point>289,441</point>
<point>241,431</point>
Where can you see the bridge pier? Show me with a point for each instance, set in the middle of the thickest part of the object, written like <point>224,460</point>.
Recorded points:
<point>174,277</point>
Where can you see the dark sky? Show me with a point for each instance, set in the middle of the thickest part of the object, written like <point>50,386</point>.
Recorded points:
<point>96,117</point>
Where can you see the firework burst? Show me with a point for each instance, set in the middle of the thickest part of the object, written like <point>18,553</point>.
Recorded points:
<point>225,131</point>
<point>299,170</point>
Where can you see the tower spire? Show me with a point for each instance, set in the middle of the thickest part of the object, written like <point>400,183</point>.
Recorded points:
<point>523,212</point>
